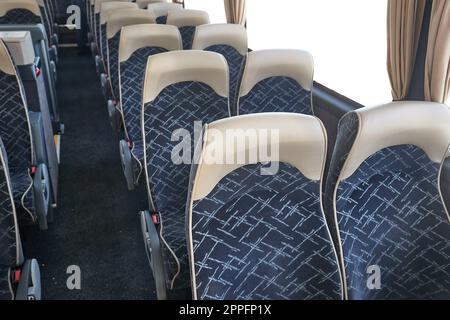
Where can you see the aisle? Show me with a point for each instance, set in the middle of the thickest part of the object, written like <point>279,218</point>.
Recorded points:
<point>97,225</point>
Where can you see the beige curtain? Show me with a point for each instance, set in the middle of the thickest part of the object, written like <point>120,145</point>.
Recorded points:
<point>235,10</point>
<point>404,25</point>
<point>437,69</point>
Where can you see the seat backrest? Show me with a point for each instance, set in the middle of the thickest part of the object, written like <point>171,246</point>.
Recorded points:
<point>144,3</point>
<point>187,21</point>
<point>230,40</point>
<point>96,17</point>
<point>161,10</point>
<point>10,246</point>
<point>137,43</point>
<point>180,88</point>
<point>107,8</point>
<point>15,128</point>
<point>277,81</point>
<point>385,203</point>
<point>116,21</point>
<point>46,19</point>
<point>20,12</point>
<point>257,231</point>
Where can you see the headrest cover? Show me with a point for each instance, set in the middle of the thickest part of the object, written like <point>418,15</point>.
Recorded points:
<point>300,139</point>
<point>173,67</point>
<point>162,8</point>
<point>109,7</point>
<point>144,3</point>
<point>99,3</point>
<point>6,63</point>
<point>139,36</point>
<point>260,65</point>
<point>121,18</point>
<point>187,18</point>
<point>422,124</point>
<point>233,35</point>
<point>30,5</point>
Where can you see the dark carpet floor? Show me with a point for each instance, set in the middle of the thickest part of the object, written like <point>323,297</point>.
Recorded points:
<point>96,226</point>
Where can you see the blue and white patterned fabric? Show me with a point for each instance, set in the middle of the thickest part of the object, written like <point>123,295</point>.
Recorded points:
<point>20,16</point>
<point>263,237</point>
<point>103,42</point>
<point>16,136</point>
<point>276,94</point>
<point>187,35</point>
<point>390,215</point>
<point>178,106</point>
<point>113,64</point>
<point>132,73</point>
<point>235,65</point>
<point>161,20</point>
<point>8,231</point>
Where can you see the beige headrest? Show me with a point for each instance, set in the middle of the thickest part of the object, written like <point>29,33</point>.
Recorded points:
<point>263,64</point>
<point>173,67</point>
<point>423,124</point>
<point>109,7</point>
<point>187,18</point>
<point>144,3</point>
<point>162,8</point>
<point>92,2</point>
<point>30,5</point>
<point>121,18</point>
<point>139,36</point>
<point>98,4</point>
<point>233,35</point>
<point>6,64</point>
<point>300,140</point>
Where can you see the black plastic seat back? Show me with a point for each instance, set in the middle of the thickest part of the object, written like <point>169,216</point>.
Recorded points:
<point>391,210</point>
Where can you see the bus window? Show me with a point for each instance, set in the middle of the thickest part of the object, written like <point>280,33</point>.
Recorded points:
<point>215,9</point>
<point>350,54</point>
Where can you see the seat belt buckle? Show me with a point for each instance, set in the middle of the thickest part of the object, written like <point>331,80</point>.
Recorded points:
<point>38,72</point>
<point>33,170</point>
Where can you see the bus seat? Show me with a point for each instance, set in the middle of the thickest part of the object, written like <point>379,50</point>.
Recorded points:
<point>230,40</point>
<point>116,21</point>
<point>387,206</point>
<point>106,9</point>
<point>277,81</point>
<point>28,286</point>
<point>137,43</point>
<point>47,20</point>
<point>257,231</point>
<point>182,90</point>
<point>28,12</point>
<point>144,3</point>
<point>30,180</point>
<point>187,21</point>
<point>161,10</point>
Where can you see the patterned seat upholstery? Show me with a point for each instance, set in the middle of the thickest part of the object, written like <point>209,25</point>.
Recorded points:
<point>230,40</point>
<point>47,20</point>
<point>97,4</point>
<point>116,21</point>
<point>10,247</point>
<point>16,135</point>
<point>28,12</point>
<point>258,231</point>
<point>187,21</point>
<point>391,211</point>
<point>277,81</point>
<point>196,91</point>
<point>161,10</point>
<point>106,9</point>
<point>137,44</point>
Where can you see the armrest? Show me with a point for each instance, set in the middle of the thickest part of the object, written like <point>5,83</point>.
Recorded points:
<point>29,287</point>
<point>154,253</point>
